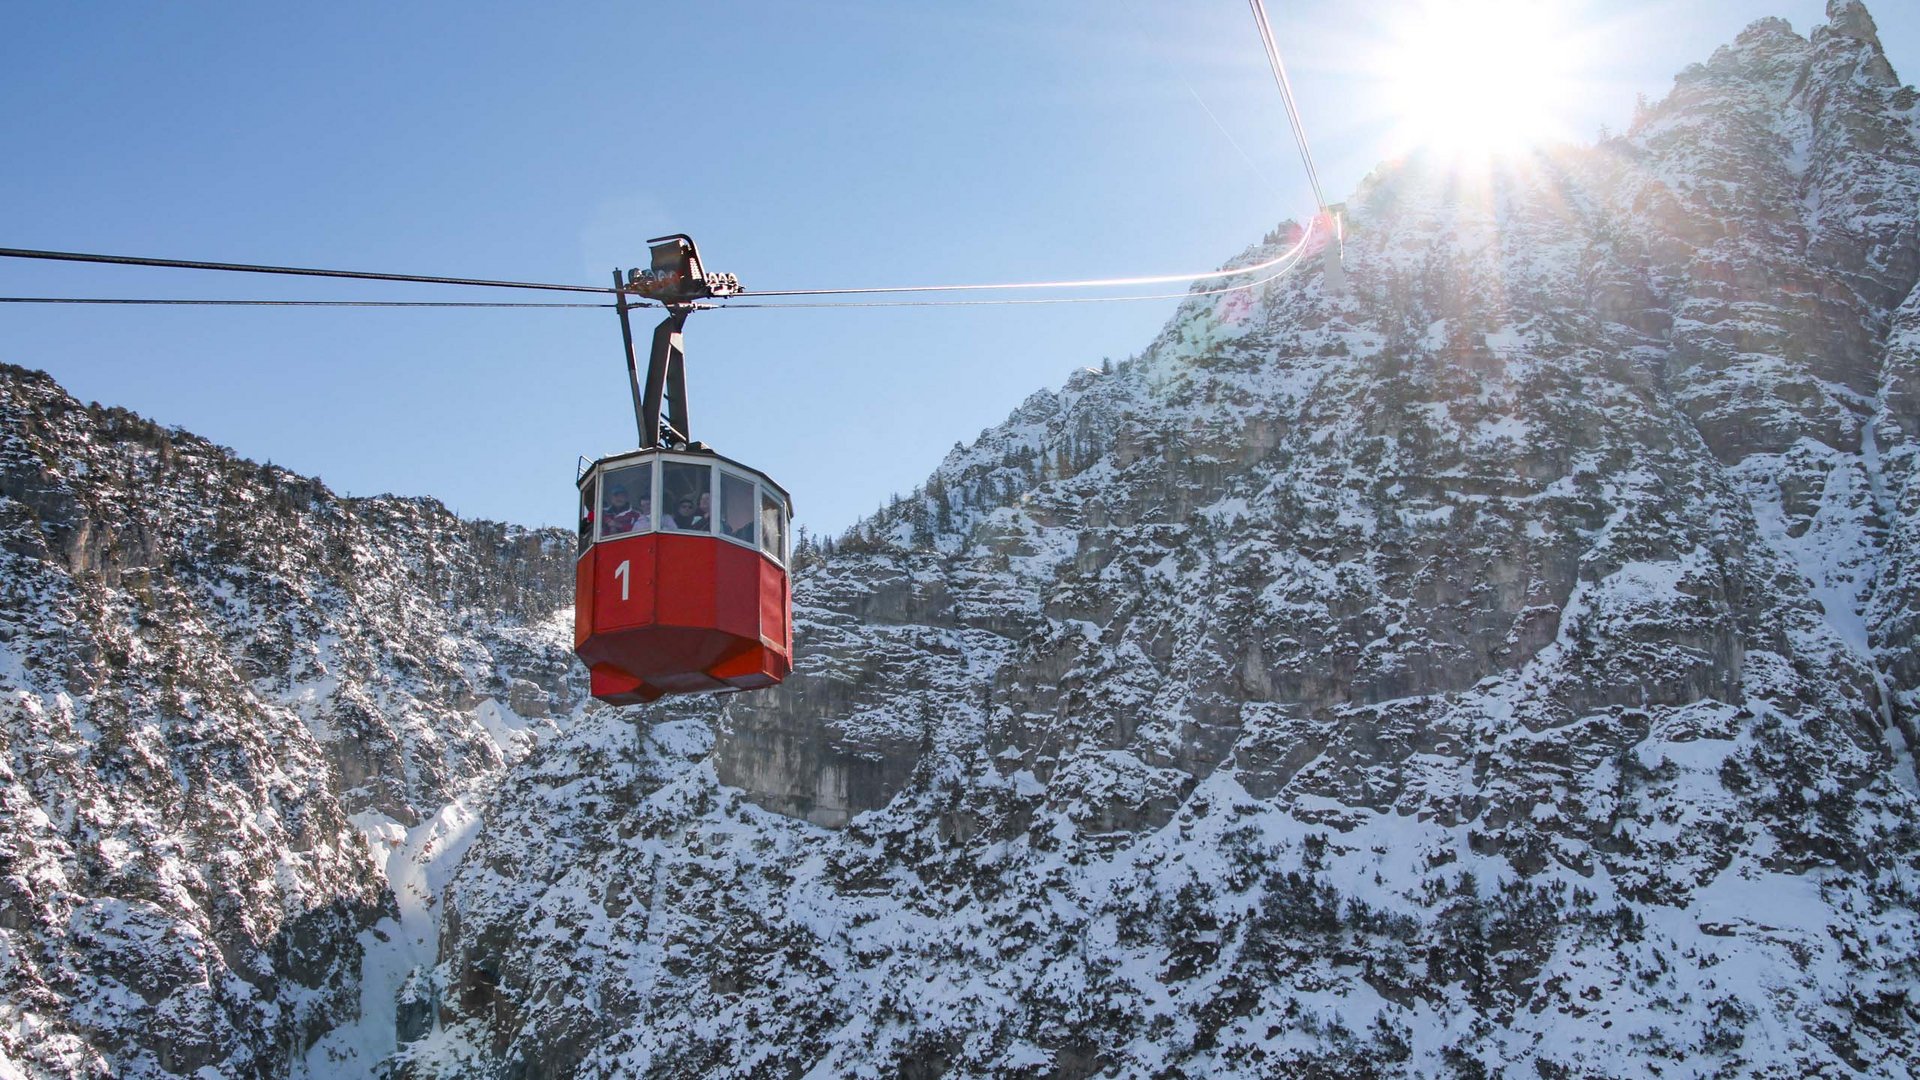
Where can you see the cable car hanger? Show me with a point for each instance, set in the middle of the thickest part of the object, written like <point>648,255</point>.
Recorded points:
<point>677,281</point>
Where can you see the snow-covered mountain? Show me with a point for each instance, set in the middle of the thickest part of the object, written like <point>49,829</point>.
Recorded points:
<point>1503,664</point>
<point>226,696</point>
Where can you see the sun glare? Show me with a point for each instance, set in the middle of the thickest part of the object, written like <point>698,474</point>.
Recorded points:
<point>1478,78</point>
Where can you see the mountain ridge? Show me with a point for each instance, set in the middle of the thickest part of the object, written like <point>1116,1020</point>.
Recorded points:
<point>1504,663</point>
<point>219,683</point>
<point>1496,666</point>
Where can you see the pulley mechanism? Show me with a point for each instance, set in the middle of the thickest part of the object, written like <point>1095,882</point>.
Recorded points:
<point>677,281</point>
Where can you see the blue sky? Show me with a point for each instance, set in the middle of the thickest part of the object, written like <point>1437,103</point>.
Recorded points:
<point>802,146</point>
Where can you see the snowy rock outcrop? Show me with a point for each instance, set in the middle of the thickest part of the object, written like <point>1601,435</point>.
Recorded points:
<point>1505,663</point>
<point>225,693</point>
<point>1503,666</point>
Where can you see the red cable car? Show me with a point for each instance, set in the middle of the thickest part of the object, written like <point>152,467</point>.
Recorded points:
<point>681,584</point>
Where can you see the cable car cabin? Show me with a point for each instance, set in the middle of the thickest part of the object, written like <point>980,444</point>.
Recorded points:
<point>681,586</point>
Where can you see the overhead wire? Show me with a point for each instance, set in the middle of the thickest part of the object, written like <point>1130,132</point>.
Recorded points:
<point>1272,50</point>
<point>1235,143</point>
<point>186,264</point>
<point>1268,43</point>
<point>288,303</point>
<point>1286,95</point>
<point>1088,283</point>
<point>1288,258</point>
<point>1291,257</point>
<point>295,271</point>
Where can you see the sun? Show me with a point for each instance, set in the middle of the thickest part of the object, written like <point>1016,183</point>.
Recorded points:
<point>1475,79</point>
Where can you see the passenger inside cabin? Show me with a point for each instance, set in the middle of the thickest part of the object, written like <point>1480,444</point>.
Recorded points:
<point>736,508</point>
<point>682,483</point>
<point>620,516</point>
<point>686,517</point>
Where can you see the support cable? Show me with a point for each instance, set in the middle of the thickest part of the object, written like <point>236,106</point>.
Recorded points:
<point>244,268</point>
<point>285,303</point>
<point>1280,78</point>
<point>1290,258</point>
<point>1272,49</point>
<point>1286,93</point>
<point>1284,260</point>
<point>1089,283</point>
<point>184,264</point>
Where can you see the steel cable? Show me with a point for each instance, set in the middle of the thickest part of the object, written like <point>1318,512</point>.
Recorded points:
<point>1286,95</point>
<point>245,268</point>
<point>287,303</point>
<point>1290,257</point>
<point>1089,283</point>
<point>1280,77</point>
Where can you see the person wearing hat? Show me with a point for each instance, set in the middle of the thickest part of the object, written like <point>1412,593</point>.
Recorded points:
<point>686,518</point>
<point>620,516</point>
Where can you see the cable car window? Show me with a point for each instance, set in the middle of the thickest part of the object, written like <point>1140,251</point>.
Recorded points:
<point>772,525</point>
<point>688,497</point>
<point>626,501</point>
<point>736,508</point>
<point>586,516</point>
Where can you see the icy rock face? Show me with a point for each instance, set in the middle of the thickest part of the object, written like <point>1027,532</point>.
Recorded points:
<point>1291,507</point>
<point>210,672</point>
<point>1506,666</point>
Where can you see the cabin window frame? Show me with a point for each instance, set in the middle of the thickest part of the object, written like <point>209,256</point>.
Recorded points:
<point>717,467</point>
<point>753,485</point>
<point>587,530</point>
<point>660,509</point>
<point>768,491</point>
<point>600,519</point>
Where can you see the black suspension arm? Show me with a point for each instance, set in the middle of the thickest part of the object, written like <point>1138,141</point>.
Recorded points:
<point>666,383</point>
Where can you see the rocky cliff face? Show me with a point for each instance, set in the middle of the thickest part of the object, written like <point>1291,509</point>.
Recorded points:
<point>1505,664</point>
<point>224,693</point>
<point>1502,664</point>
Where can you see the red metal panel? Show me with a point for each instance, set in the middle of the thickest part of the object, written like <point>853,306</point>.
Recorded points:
<point>659,653</point>
<point>582,599</point>
<point>623,583</point>
<point>671,614</point>
<point>685,583</point>
<point>689,682</point>
<point>773,606</point>
<point>612,685</point>
<point>753,669</point>
<point>736,590</point>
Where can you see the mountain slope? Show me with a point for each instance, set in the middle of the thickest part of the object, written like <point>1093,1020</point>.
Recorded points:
<point>1505,664</point>
<point>218,683</point>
